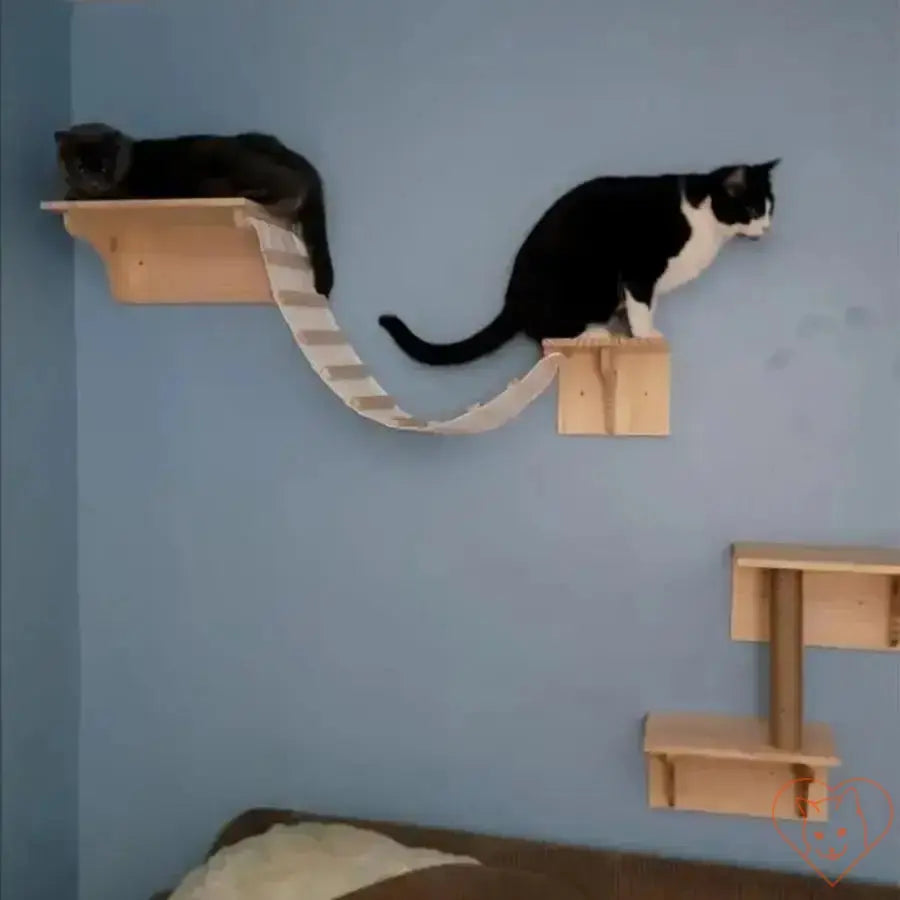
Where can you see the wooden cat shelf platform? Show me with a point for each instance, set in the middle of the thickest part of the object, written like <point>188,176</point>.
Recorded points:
<point>173,251</point>
<point>726,764</point>
<point>850,596</point>
<point>613,385</point>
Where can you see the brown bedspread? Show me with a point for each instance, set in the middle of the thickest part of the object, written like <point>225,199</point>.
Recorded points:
<point>468,883</point>
<point>529,870</point>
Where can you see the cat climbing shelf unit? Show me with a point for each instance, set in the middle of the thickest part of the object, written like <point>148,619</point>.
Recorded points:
<point>229,250</point>
<point>792,596</point>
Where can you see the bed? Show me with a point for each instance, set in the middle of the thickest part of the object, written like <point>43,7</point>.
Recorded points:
<point>514,869</point>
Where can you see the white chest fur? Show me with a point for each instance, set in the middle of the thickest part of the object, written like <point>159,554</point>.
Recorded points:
<point>707,238</point>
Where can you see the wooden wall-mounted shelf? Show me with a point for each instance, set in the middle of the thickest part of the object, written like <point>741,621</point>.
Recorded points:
<point>725,764</point>
<point>850,595</point>
<point>173,251</point>
<point>612,385</point>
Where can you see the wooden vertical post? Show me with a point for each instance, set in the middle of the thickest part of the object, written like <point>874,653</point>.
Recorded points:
<point>786,660</point>
<point>894,613</point>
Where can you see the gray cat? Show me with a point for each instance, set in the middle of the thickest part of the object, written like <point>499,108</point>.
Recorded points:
<point>100,162</point>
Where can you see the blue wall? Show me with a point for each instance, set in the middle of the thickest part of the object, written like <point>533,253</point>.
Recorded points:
<point>282,603</point>
<point>39,612</point>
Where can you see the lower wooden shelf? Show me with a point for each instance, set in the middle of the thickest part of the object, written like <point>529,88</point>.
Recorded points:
<point>724,764</point>
<point>613,385</point>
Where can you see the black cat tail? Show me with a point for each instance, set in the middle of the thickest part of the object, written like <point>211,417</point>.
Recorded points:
<point>489,339</point>
<point>315,236</point>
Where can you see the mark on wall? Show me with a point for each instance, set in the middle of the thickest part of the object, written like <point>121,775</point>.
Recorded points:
<point>815,324</point>
<point>857,316</point>
<point>779,360</point>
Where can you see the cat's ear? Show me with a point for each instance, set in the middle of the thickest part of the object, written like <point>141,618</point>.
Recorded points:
<point>768,166</point>
<point>852,795</point>
<point>735,181</point>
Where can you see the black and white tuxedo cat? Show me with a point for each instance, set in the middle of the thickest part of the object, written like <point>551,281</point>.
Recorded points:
<point>609,246</point>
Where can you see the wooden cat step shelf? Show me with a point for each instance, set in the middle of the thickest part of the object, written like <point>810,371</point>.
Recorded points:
<point>727,764</point>
<point>613,385</point>
<point>850,596</point>
<point>173,251</point>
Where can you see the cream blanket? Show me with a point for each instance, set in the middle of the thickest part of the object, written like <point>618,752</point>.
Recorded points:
<point>309,861</point>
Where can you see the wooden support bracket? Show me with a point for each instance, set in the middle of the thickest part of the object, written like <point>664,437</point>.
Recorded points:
<point>803,776</point>
<point>613,385</point>
<point>850,595</point>
<point>725,764</point>
<point>173,251</point>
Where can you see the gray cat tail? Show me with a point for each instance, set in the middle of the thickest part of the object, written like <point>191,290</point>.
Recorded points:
<point>504,328</point>
<point>315,236</point>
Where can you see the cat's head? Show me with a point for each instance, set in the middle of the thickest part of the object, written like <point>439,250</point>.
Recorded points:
<point>742,198</point>
<point>94,158</point>
<point>831,841</point>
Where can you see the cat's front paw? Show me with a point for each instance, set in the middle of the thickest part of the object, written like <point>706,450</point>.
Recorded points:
<point>647,333</point>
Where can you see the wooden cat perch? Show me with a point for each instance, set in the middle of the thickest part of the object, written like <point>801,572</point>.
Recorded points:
<point>613,385</point>
<point>174,251</point>
<point>229,250</point>
<point>792,596</point>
